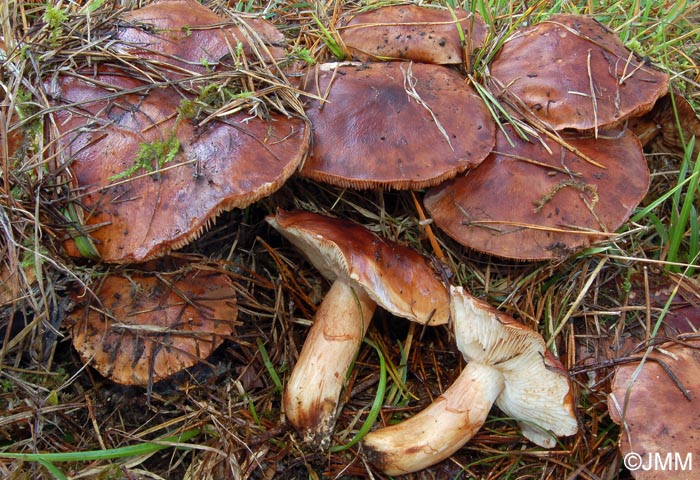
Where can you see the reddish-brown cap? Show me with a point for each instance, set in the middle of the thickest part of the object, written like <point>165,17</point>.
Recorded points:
<point>396,277</point>
<point>195,172</point>
<point>537,389</point>
<point>526,203</point>
<point>394,125</point>
<point>412,32</point>
<point>656,416</point>
<point>187,35</point>
<point>144,328</point>
<point>572,72</point>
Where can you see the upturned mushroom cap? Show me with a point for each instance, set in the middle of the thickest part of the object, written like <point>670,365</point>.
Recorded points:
<point>143,329</point>
<point>187,35</point>
<point>537,391</point>
<point>397,278</point>
<point>654,413</point>
<point>572,72</point>
<point>189,174</point>
<point>412,32</point>
<point>526,203</point>
<point>395,125</point>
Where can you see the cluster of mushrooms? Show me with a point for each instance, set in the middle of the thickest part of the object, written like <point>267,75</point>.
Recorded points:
<point>560,174</point>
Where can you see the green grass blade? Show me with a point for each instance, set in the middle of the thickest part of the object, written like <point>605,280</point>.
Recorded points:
<point>679,224</point>
<point>376,404</point>
<point>92,455</point>
<point>660,227</point>
<point>270,368</point>
<point>694,237</point>
<point>329,41</point>
<point>643,212</point>
<point>83,243</point>
<point>53,470</point>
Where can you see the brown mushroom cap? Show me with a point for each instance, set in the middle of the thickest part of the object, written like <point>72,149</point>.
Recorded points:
<point>655,416</point>
<point>396,277</point>
<point>412,32</point>
<point>525,203</point>
<point>145,328</point>
<point>555,66</point>
<point>228,163</point>
<point>187,35</point>
<point>372,130</point>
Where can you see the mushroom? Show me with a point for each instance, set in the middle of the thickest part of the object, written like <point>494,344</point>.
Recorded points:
<point>413,32</point>
<point>508,363</point>
<point>366,271</point>
<point>141,327</point>
<point>537,391</point>
<point>184,36</point>
<point>656,404</point>
<point>570,71</point>
<point>149,174</point>
<point>668,126</point>
<point>539,199</point>
<point>395,125</point>
<point>441,429</point>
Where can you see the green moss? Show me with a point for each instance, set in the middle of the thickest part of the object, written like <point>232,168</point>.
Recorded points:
<point>151,157</point>
<point>54,18</point>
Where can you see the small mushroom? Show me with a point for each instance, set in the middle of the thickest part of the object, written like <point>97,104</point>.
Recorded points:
<point>413,32</point>
<point>366,271</point>
<point>395,125</point>
<point>142,327</point>
<point>539,199</point>
<point>507,363</point>
<point>572,72</point>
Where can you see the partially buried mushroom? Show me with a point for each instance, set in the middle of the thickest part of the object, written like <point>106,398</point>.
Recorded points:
<point>142,327</point>
<point>413,32</point>
<point>655,401</point>
<point>154,163</point>
<point>366,271</point>
<point>184,36</point>
<point>508,364</point>
<point>393,125</point>
<point>570,71</point>
<point>538,199</point>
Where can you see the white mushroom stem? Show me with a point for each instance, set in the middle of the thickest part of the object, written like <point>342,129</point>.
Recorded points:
<point>441,429</point>
<point>313,390</point>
